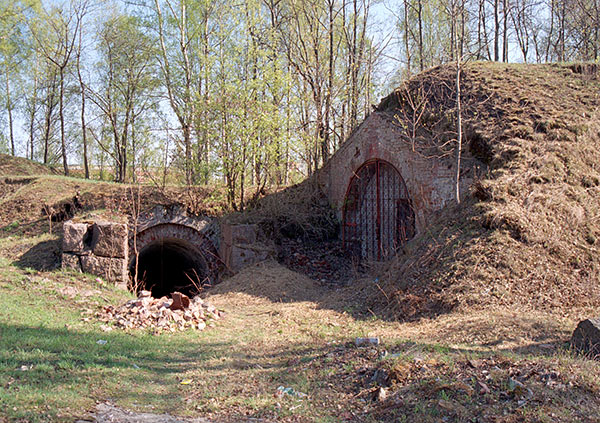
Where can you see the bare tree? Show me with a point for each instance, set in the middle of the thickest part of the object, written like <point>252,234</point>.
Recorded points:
<point>505,14</point>
<point>64,25</point>
<point>78,53</point>
<point>178,72</point>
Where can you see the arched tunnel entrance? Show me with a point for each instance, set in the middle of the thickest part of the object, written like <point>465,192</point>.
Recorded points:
<point>168,265</point>
<point>172,257</point>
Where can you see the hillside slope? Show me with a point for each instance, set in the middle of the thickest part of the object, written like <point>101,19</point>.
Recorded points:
<point>528,233</point>
<point>32,209</point>
<point>10,165</point>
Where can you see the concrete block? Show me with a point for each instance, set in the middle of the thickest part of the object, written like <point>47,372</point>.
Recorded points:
<point>111,269</point>
<point>71,261</point>
<point>110,239</point>
<point>239,234</point>
<point>76,237</point>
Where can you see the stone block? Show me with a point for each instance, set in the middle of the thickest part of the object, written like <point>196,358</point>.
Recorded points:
<point>239,234</point>
<point>71,261</point>
<point>110,239</point>
<point>586,337</point>
<point>76,237</point>
<point>245,255</point>
<point>225,253</point>
<point>110,269</point>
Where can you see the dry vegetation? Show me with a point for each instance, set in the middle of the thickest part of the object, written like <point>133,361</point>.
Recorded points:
<point>10,165</point>
<point>32,209</point>
<point>499,366</point>
<point>299,211</point>
<point>473,316</point>
<point>527,237</point>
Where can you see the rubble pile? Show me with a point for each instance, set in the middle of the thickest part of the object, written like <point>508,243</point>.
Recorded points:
<point>162,314</point>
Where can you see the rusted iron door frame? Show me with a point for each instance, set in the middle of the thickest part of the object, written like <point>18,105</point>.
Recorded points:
<point>377,215</point>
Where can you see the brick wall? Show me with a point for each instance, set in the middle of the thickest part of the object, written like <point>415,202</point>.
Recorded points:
<point>430,181</point>
<point>166,231</point>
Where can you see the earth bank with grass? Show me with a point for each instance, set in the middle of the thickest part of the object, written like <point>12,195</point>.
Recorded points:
<point>473,316</point>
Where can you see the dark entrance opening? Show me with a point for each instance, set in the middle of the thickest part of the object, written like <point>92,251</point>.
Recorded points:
<point>377,216</point>
<point>168,265</point>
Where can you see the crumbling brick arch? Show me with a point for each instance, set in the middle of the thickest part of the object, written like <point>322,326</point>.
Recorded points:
<point>377,214</point>
<point>172,257</point>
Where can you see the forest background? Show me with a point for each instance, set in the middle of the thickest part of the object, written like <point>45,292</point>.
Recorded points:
<point>254,94</point>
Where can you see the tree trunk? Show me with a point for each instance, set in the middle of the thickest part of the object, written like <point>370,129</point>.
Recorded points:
<point>188,153</point>
<point>562,51</point>
<point>420,21</point>
<point>83,126</point>
<point>458,124</point>
<point>63,147</point>
<point>479,37</point>
<point>10,118</point>
<point>31,130</point>
<point>84,135</point>
<point>550,31</point>
<point>353,109</point>
<point>325,139</point>
<point>496,31</point>
<point>486,41</point>
<point>596,29</point>
<point>47,123</point>
<point>133,149</point>
<point>406,39</point>
<point>505,31</point>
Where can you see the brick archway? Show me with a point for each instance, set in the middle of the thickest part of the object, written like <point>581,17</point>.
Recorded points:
<point>172,257</point>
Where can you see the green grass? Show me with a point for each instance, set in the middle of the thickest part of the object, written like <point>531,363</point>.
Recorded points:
<point>65,369</point>
<point>53,369</point>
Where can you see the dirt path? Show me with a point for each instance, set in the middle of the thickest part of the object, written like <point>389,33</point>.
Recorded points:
<point>108,413</point>
<point>273,296</point>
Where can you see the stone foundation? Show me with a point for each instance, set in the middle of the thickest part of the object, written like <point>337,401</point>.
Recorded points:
<point>240,247</point>
<point>99,248</point>
<point>106,249</point>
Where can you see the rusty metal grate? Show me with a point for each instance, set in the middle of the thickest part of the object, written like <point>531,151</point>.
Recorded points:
<point>377,215</point>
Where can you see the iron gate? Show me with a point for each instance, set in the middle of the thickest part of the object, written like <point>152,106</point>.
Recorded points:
<point>377,215</point>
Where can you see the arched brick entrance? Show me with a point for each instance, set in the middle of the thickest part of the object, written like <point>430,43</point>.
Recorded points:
<point>377,213</point>
<point>172,257</point>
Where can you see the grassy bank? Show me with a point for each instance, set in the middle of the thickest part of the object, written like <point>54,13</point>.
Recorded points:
<point>52,367</point>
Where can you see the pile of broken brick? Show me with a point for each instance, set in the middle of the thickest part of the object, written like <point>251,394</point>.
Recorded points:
<point>161,314</point>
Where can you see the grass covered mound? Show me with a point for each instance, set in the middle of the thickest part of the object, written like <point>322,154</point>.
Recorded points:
<point>300,211</point>
<point>528,233</point>
<point>33,208</point>
<point>10,165</point>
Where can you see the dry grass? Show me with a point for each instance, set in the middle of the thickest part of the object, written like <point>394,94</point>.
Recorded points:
<point>281,329</point>
<point>286,325</point>
<point>527,235</point>
<point>272,285</point>
<point>10,165</point>
<point>32,209</point>
<point>488,295</point>
<point>298,211</point>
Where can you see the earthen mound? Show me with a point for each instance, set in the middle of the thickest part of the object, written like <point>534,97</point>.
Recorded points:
<point>527,235</point>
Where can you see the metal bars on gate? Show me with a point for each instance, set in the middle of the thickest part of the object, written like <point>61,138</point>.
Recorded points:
<point>377,213</point>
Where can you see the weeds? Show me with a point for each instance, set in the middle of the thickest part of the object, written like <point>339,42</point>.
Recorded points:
<point>537,203</point>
